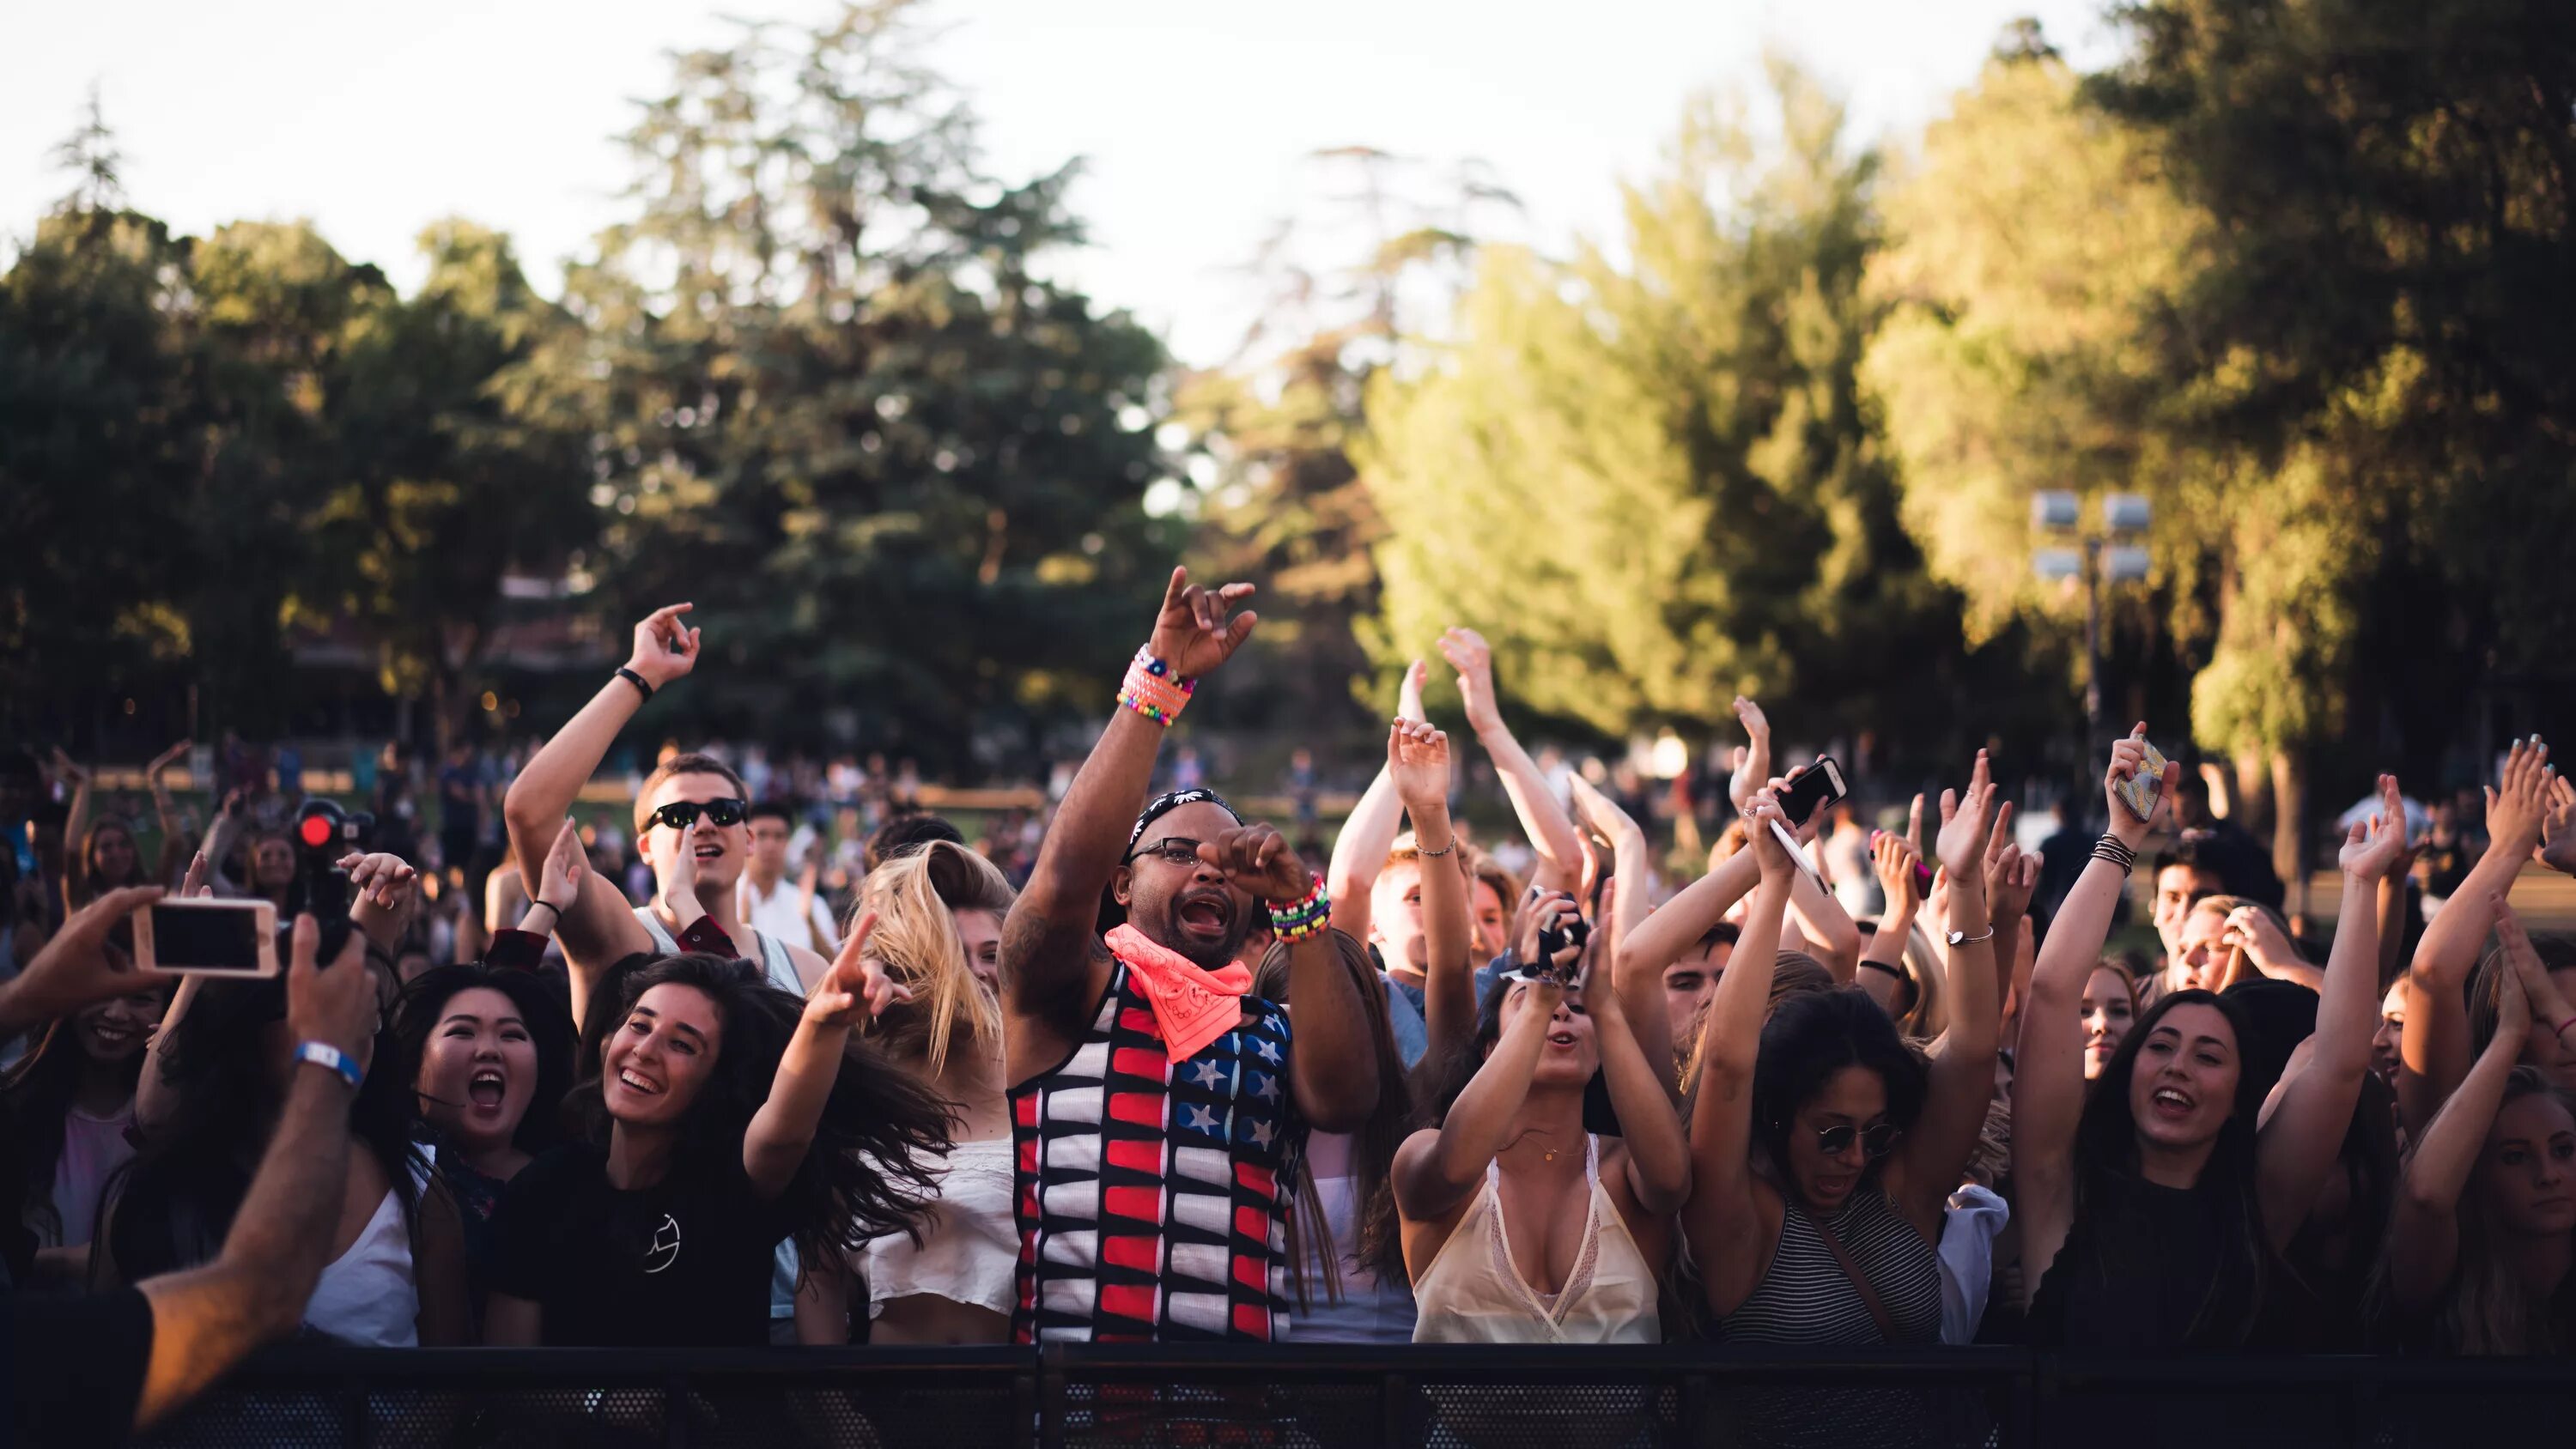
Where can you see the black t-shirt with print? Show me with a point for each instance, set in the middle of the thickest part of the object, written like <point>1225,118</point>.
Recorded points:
<point>684,1263</point>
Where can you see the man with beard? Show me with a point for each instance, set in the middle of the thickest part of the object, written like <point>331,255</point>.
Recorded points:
<point>1158,1108</point>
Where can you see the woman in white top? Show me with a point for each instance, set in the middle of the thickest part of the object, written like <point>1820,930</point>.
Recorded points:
<point>939,932</point>
<point>1519,1227</point>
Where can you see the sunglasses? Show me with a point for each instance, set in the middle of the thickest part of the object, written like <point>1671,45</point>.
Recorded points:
<point>680,814</point>
<point>1170,850</point>
<point>1876,1141</point>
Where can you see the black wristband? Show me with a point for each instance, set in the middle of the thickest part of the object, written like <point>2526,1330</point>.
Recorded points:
<point>633,678</point>
<point>549,905</point>
<point>1870,965</point>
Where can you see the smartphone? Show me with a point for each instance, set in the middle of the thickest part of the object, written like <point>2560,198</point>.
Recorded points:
<point>1820,786</point>
<point>207,937</point>
<point>2140,790</point>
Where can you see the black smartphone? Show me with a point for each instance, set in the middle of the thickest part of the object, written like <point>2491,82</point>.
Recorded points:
<point>1820,786</point>
<point>207,937</point>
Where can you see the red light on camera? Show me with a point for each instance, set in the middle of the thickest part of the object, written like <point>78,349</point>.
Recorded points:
<point>315,830</point>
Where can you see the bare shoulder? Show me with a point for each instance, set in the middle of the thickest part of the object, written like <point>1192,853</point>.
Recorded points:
<point>810,965</point>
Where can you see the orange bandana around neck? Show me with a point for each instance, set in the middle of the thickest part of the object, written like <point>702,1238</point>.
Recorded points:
<point>1192,1005</point>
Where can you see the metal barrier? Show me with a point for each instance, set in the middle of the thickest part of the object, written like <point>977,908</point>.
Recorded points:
<point>1294,1396</point>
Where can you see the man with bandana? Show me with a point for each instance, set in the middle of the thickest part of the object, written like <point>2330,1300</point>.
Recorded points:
<point>1158,1108</point>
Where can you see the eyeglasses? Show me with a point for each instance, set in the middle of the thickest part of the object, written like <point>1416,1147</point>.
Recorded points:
<point>1170,850</point>
<point>1876,1141</point>
<point>680,814</point>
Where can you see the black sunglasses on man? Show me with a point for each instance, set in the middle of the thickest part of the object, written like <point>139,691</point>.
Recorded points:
<point>680,813</point>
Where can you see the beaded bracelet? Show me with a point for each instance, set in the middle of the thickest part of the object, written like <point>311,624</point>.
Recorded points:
<point>1306,916</point>
<point>2118,852</point>
<point>1153,690</point>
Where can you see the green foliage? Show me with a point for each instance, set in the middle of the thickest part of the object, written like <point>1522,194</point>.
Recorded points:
<point>1652,482</point>
<point>839,407</point>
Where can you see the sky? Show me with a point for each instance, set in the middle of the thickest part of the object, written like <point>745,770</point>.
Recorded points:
<point>1194,120</point>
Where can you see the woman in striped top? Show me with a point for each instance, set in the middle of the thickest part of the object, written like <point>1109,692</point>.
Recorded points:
<point>1823,1151</point>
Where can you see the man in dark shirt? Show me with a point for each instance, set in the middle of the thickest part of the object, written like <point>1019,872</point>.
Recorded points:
<point>91,1370</point>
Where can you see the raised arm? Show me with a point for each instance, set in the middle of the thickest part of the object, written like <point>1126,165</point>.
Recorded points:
<point>2269,950</point>
<point>2012,878</point>
<point>1882,966</point>
<point>2435,1047</point>
<point>1930,1159</point>
<point>1368,833</point>
<point>2424,1234</point>
<point>1657,1157</point>
<point>1722,1220</point>
<point>1053,964</point>
<point>1437,1168</point>
<point>2299,1145</point>
<point>2557,846</point>
<point>599,931</point>
<point>1332,1072</point>
<point>783,1129</point>
<point>76,881</point>
<point>2048,1066</point>
<point>222,837</point>
<point>1543,817</point>
<point>204,1320</point>
<point>1417,763</point>
<point>1640,991</point>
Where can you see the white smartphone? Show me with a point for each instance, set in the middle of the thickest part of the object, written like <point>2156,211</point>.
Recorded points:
<point>207,937</point>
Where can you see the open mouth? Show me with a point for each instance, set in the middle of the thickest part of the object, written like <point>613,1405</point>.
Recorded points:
<point>1561,1038</point>
<point>646,1086</point>
<point>487,1089</point>
<point>1209,914</point>
<point>2170,1104</point>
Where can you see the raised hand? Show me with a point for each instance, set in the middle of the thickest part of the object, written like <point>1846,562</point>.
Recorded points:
<point>2127,758</point>
<point>2520,801</point>
<point>2012,874</point>
<point>330,1002</point>
<point>2557,847</point>
<point>1893,860</point>
<point>1258,860</point>
<point>1754,766</point>
<point>79,966</point>
<point>1197,629</point>
<point>680,882</point>
<point>1598,810</point>
<point>1761,813</point>
<point>2371,847</point>
<point>168,757</point>
<point>1814,824</point>
<point>665,649</point>
<point>1914,826</point>
<point>2528,978</point>
<point>382,880</point>
<point>193,884</point>
<point>67,770</point>
<point>567,863</point>
<point>1967,823</point>
<point>1408,695</point>
<point>855,983</point>
<point>1539,910</point>
<point>1417,763</point>
<point>1469,654</point>
<point>2252,930</point>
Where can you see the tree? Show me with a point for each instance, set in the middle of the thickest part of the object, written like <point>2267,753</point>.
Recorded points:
<point>1655,483</point>
<point>837,404</point>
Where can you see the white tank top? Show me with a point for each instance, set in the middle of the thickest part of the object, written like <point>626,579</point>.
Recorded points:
<point>970,1240</point>
<point>1473,1293</point>
<point>367,1296</point>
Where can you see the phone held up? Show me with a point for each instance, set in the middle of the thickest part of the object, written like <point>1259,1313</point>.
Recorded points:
<point>2140,790</point>
<point>207,937</point>
<point>1818,786</point>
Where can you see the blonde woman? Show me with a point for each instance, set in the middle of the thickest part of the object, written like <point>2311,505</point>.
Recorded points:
<point>939,930</point>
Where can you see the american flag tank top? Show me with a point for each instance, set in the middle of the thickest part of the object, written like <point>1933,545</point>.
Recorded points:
<point>1152,1195</point>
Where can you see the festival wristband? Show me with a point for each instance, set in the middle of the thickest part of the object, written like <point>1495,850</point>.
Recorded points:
<point>633,678</point>
<point>1307,916</point>
<point>323,1054</point>
<point>1153,690</point>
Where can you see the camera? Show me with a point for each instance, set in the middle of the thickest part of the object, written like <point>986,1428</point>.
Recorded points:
<point>324,833</point>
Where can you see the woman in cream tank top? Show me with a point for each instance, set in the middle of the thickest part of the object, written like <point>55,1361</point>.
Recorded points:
<point>1519,1227</point>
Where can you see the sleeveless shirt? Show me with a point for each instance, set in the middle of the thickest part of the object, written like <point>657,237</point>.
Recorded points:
<point>1806,1298</point>
<point>1472,1291</point>
<point>1152,1195</point>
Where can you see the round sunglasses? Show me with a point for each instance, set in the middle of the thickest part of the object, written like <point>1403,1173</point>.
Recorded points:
<point>1876,1140</point>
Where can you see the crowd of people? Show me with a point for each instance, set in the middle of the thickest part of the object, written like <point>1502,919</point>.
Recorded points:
<point>1174,1075</point>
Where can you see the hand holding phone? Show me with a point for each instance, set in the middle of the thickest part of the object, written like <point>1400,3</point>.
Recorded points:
<point>1811,790</point>
<point>2144,784</point>
<point>207,937</point>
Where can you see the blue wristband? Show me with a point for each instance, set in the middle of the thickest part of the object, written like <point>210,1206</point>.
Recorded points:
<point>323,1054</point>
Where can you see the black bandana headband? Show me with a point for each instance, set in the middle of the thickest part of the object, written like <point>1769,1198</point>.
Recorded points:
<point>1171,800</point>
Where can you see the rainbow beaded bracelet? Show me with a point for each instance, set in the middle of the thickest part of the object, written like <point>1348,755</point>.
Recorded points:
<point>1306,916</point>
<point>1152,690</point>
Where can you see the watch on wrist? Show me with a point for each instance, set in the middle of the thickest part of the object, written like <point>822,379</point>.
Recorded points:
<point>1962,938</point>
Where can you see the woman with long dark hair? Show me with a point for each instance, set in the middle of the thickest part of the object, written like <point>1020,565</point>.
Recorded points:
<point>1823,1151</point>
<point>1511,1147</point>
<point>2155,1208</point>
<point>397,1275</point>
<point>939,912</point>
<point>71,1104</point>
<point>2482,1255</point>
<point>717,1115</point>
<point>488,1054</point>
<point>1351,1281</point>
